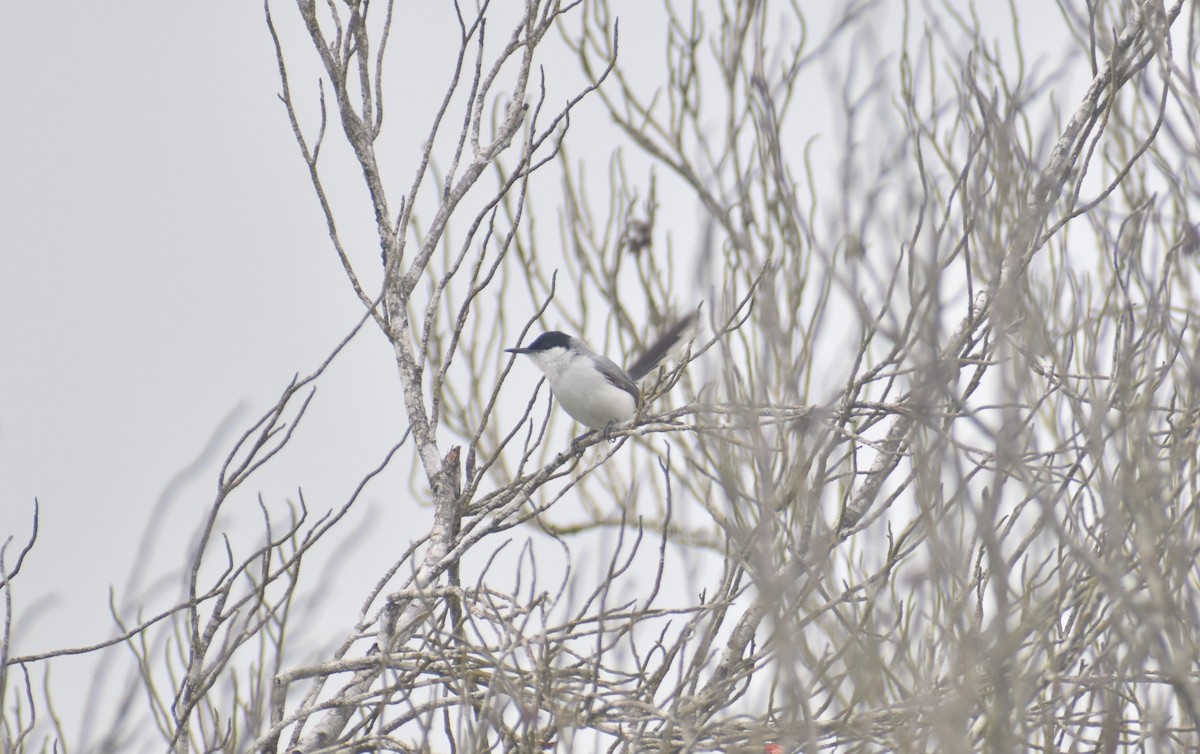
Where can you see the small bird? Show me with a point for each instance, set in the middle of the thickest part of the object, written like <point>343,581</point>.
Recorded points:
<point>590,387</point>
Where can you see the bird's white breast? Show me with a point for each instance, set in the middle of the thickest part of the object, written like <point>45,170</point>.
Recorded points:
<point>583,391</point>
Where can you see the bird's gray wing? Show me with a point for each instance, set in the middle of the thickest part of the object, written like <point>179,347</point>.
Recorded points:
<point>616,376</point>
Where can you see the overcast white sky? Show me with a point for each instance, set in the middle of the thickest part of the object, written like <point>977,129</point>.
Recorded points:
<point>163,264</point>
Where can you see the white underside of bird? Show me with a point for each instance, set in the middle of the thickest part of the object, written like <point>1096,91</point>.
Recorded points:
<point>591,399</point>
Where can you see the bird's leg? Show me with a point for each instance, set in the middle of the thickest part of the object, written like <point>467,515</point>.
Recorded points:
<point>606,433</point>
<point>608,430</point>
<point>577,443</point>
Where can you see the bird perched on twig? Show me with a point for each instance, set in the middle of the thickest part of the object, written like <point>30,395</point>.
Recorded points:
<point>590,387</point>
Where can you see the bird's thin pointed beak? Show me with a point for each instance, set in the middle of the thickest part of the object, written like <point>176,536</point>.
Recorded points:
<point>516,350</point>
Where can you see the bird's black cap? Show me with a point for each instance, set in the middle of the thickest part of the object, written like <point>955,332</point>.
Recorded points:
<point>544,342</point>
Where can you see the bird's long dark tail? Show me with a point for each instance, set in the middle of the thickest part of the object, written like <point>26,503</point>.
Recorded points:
<point>658,350</point>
